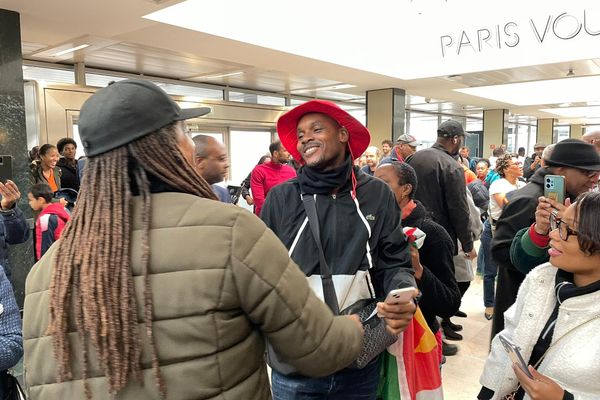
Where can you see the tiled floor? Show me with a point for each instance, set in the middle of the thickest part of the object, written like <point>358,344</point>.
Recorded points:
<point>461,372</point>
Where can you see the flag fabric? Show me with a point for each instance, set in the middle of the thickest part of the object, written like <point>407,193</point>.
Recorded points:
<point>410,368</point>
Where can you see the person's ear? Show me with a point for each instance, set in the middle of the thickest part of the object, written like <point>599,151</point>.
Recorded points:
<point>343,135</point>
<point>407,189</point>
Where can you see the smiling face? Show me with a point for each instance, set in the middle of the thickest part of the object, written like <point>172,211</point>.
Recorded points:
<point>567,254</point>
<point>322,142</point>
<point>50,158</point>
<point>386,148</point>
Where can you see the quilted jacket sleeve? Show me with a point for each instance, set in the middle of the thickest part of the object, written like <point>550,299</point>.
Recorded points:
<point>497,373</point>
<point>275,295</point>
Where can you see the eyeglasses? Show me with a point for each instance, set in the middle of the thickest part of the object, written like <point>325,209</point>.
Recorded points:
<point>588,173</point>
<point>563,229</point>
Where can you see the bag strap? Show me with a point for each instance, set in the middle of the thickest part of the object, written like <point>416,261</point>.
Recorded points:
<point>329,294</point>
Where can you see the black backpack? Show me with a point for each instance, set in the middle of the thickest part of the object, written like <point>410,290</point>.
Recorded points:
<point>481,194</point>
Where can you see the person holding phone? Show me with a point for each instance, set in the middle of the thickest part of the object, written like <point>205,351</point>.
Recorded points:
<point>579,163</point>
<point>13,226</point>
<point>555,321</point>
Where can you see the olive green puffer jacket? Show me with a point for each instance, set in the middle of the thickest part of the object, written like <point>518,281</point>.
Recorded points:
<point>221,282</point>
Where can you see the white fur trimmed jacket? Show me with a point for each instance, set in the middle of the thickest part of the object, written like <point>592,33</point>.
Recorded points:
<point>573,362</point>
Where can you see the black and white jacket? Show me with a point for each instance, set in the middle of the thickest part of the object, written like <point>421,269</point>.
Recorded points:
<point>367,253</point>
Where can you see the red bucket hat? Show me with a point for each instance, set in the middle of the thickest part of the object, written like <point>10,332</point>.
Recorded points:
<point>358,136</point>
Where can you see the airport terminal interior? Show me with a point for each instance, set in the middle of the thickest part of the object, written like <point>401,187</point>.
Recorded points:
<point>512,73</point>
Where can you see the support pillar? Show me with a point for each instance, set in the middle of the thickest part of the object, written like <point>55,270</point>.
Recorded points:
<point>386,110</point>
<point>13,135</point>
<point>545,130</point>
<point>576,131</point>
<point>495,125</point>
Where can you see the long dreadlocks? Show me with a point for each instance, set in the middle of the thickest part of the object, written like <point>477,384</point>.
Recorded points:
<point>93,273</point>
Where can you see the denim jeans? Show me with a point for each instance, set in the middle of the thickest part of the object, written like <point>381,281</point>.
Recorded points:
<point>490,270</point>
<point>347,384</point>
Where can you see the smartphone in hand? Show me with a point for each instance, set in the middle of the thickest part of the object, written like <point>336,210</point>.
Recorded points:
<point>515,355</point>
<point>403,295</point>
<point>6,168</point>
<point>554,188</point>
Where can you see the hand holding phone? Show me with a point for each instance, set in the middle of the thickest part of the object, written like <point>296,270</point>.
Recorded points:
<point>515,355</point>
<point>554,188</point>
<point>404,295</point>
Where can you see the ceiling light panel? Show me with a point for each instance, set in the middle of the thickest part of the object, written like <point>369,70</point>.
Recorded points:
<point>575,112</point>
<point>556,91</point>
<point>404,39</point>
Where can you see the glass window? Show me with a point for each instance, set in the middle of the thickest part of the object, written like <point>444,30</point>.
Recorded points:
<point>255,98</point>
<point>561,132</point>
<point>424,128</point>
<point>511,138</point>
<point>219,137</point>
<point>100,80</point>
<point>590,128</point>
<point>245,148</point>
<point>522,137</point>
<point>297,102</point>
<point>192,93</point>
<point>49,75</point>
<point>474,125</point>
<point>532,139</point>
<point>358,111</point>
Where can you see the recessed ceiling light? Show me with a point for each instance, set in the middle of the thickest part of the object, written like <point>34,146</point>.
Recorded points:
<point>218,75</point>
<point>72,49</point>
<point>575,112</point>
<point>324,88</point>
<point>553,91</point>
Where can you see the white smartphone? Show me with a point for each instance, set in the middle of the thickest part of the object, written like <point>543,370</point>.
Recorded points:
<point>403,295</point>
<point>515,355</point>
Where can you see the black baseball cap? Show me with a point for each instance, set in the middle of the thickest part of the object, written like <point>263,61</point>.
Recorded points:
<point>125,111</point>
<point>451,128</point>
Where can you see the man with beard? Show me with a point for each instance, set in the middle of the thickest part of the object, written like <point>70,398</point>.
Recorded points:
<point>360,234</point>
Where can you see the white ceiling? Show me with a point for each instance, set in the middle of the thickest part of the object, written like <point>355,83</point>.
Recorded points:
<point>122,40</point>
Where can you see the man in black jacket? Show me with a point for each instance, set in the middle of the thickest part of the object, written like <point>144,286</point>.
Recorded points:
<point>579,163</point>
<point>442,189</point>
<point>360,233</point>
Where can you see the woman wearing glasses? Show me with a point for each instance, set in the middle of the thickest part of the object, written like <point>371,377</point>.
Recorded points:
<point>556,317</point>
<point>509,171</point>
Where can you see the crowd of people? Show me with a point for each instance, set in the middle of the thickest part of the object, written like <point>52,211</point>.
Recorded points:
<point>150,284</point>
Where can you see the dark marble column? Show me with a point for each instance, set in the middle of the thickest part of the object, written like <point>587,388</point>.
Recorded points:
<point>13,136</point>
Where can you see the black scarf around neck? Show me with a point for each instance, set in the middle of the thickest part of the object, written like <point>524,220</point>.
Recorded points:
<point>315,181</point>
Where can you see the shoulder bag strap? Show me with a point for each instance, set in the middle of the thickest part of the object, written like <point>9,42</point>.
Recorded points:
<point>329,294</point>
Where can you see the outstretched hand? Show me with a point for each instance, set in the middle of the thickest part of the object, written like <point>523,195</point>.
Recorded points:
<point>540,387</point>
<point>10,194</point>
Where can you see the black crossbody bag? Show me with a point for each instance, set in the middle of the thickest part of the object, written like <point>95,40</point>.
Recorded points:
<point>377,338</point>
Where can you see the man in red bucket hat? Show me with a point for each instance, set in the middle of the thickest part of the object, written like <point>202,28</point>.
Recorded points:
<point>360,234</point>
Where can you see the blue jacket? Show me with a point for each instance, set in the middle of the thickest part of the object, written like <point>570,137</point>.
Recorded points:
<point>13,230</point>
<point>11,331</point>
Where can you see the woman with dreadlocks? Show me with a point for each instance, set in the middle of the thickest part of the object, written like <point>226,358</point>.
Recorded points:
<point>157,292</point>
